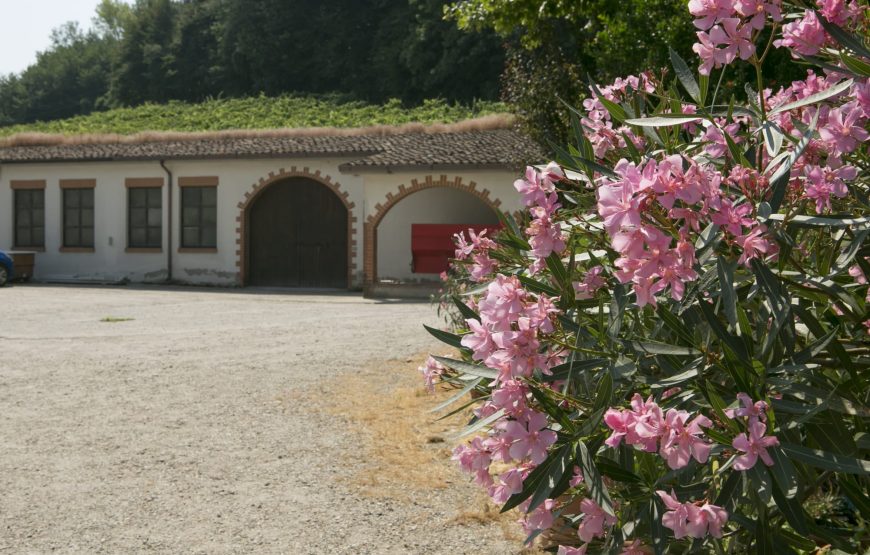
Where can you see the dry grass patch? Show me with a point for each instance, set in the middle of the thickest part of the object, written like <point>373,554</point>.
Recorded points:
<point>408,450</point>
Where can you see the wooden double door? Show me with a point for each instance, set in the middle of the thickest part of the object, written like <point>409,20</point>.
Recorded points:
<point>297,236</point>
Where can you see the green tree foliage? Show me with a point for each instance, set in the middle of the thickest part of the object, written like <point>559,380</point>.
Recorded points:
<point>555,46</point>
<point>192,50</point>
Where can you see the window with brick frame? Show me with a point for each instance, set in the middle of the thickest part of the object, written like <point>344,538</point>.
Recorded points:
<point>199,217</point>
<point>144,217</point>
<point>29,216</point>
<point>78,218</point>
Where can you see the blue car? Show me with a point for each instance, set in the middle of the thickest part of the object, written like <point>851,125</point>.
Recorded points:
<point>7,268</point>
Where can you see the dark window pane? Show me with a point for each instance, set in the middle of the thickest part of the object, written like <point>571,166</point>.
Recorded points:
<point>154,217</point>
<point>87,218</point>
<point>209,237</point>
<point>190,216</point>
<point>71,217</point>
<point>23,236</point>
<point>190,237</point>
<point>71,198</point>
<point>71,237</point>
<point>38,216</point>
<point>38,199</point>
<point>37,237</point>
<point>155,198</point>
<point>209,196</point>
<point>155,237</point>
<point>24,218</point>
<point>137,216</point>
<point>138,198</point>
<point>87,237</point>
<point>87,198</point>
<point>138,237</point>
<point>22,199</point>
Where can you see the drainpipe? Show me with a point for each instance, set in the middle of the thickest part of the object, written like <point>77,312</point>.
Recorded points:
<point>169,214</point>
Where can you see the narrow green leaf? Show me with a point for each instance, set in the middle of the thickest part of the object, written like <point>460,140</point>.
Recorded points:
<point>813,98</point>
<point>727,291</point>
<point>468,368</point>
<point>664,120</point>
<point>686,76</point>
<point>445,337</point>
<point>480,424</point>
<point>826,460</point>
<point>592,478</point>
<point>657,348</point>
<point>848,40</point>
<point>465,310</point>
<point>779,180</point>
<point>464,391</point>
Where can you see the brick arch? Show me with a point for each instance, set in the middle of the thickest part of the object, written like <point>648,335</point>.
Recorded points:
<point>370,231</point>
<point>275,177</point>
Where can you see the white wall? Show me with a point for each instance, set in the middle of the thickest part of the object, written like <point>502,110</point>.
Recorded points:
<point>109,261</point>
<point>429,206</point>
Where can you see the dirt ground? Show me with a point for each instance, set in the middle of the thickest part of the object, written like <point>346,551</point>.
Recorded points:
<point>183,420</point>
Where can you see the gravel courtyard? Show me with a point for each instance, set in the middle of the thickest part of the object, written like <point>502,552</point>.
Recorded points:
<point>182,420</point>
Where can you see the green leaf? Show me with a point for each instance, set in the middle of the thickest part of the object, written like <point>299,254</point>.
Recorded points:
<point>813,98</point>
<point>773,137</point>
<point>727,291</point>
<point>564,370</point>
<point>480,424</point>
<point>445,337</point>
<point>850,486</point>
<point>592,478</point>
<point>615,472</point>
<point>604,393</point>
<point>561,467</point>
<point>465,310</point>
<point>848,40</point>
<point>821,221</point>
<point>826,460</point>
<point>468,368</point>
<point>729,489</point>
<point>779,180</point>
<point>657,348</point>
<point>664,120</point>
<point>686,76</point>
<point>471,385</point>
<point>857,65</point>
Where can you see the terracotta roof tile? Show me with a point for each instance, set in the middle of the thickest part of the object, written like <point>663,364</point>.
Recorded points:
<point>498,148</point>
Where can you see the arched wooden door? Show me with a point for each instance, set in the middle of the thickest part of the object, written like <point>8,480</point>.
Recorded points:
<point>297,236</point>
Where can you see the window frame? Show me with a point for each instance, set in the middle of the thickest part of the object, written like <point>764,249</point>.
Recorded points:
<point>82,192</point>
<point>151,193</point>
<point>187,187</point>
<point>19,193</point>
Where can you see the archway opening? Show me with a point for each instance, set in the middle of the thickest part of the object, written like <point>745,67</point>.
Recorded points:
<point>450,209</point>
<point>297,236</point>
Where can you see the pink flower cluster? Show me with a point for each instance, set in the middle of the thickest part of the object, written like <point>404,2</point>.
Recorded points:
<point>676,438</point>
<point>598,122</point>
<point>538,192</point>
<point>806,36</point>
<point>755,444</point>
<point>478,249</point>
<point>692,520</point>
<point>506,337</point>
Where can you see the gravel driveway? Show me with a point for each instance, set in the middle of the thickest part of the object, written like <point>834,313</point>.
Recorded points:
<point>157,420</point>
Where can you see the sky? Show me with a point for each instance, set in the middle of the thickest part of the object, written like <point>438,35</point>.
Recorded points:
<point>25,27</point>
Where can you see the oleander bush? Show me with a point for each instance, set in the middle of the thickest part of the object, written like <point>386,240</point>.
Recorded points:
<point>668,352</point>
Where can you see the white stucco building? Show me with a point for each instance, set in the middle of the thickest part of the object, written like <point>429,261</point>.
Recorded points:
<point>288,208</point>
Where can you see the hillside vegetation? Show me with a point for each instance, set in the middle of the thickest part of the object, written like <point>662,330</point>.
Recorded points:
<point>257,113</point>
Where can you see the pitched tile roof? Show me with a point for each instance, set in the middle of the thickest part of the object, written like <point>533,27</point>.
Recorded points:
<point>481,148</point>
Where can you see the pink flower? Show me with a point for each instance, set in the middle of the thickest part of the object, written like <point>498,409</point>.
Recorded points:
<point>684,441</point>
<point>431,371</point>
<point>805,37</point>
<point>757,10</point>
<point>530,439</point>
<point>472,456</point>
<point>595,519</point>
<point>753,410</point>
<point>483,267</point>
<point>542,517</point>
<point>479,341</point>
<point>754,245</point>
<point>754,446</point>
<point>577,479</point>
<point>736,38</point>
<point>591,283</point>
<point>844,129</point>
<point>709,12</point>
<point>687,519</point>
<point>509,483</point>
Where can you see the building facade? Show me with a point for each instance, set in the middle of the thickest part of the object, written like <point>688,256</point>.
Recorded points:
<point>313,211</point>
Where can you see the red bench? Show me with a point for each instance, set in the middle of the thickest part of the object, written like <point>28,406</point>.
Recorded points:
<point>432,245</point>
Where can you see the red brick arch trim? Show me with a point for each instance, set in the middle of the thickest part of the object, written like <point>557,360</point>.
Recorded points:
<point>280,175</point>
<point>370,231</point>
